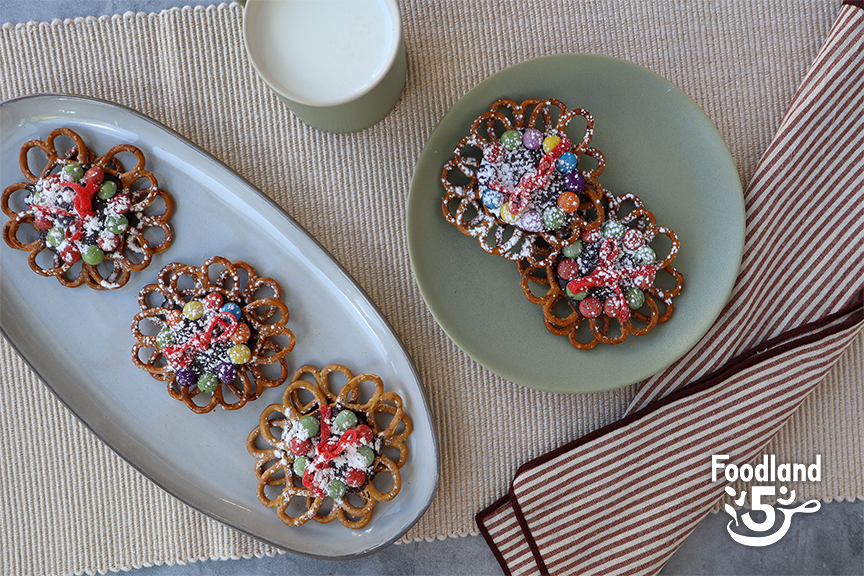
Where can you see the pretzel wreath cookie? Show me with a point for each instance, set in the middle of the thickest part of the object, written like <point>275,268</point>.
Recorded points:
<point>329,446</point>
<point>87,209</point>
<point>515,184</point>
<point>608,277</point>
<point>218,326</point>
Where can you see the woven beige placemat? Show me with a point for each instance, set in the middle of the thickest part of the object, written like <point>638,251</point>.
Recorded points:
<point>69,504</point>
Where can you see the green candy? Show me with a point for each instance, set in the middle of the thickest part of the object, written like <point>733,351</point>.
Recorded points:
<point>310,424</point>
<point>208,382</point>
<point>116,224</point>
<point>74,170</point>
<point>368,455</point>
<point>614,229</point>
<point>336,489</point>
<point>644,255</point>
<point>165,337</point>
<point>38,198</point>
<point>55,236</point>
<point>573,250</point>
<point>299,465</point>
<point>511,139</point>
<point>635,298</point>
<point>107,189</point>
<point>577,297</point>
<point>553,218</point>
<point>345,420</point>
<point>92,254</point>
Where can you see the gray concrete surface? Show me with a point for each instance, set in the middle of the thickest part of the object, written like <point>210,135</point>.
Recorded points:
<point>828,542</point>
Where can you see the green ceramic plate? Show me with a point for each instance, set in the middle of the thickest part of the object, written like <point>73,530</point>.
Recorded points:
<point>659,145</point>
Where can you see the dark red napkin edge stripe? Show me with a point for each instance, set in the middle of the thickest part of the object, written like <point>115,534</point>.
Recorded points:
<point>856,3</point>
<point>767,349</point>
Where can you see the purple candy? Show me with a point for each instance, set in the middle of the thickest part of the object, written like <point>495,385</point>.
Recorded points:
<point>532,139</point>
<point>226,372</point>
<point>186,377</point>
<point>574,182</point>
<point>484,173</point>
<point>531,221</point>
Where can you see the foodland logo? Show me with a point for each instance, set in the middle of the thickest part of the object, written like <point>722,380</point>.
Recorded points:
<point>765,471</point>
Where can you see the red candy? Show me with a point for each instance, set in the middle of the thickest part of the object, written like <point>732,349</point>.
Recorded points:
<point>213,301</point>
<point>364,434</point>
<point>591,235</point>
<point>70,253</point>
<point>633,239</point>
<point>494,153</point>
<point>355,478</point>
<point>42,222</point>
<point>590,307</point>
<point>300,447</point>
<point>611,307</point>
<point>120,203</point>
<point>568,269</point>
<point>94,175</point>
<point>108,242</point>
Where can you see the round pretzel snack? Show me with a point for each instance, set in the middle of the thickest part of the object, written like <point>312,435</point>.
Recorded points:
<point>61,229</point>
<point>656,309</point>
<point>463,203</point>
<point>325,456</point>
<point>217,332</point>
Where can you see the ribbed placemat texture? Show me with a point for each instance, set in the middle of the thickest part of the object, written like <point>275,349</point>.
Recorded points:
<point>69,504</point>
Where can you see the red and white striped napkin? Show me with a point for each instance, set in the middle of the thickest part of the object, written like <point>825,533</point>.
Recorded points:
<point>622,499</point>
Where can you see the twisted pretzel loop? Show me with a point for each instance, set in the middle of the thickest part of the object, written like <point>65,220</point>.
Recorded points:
<point>273,467</point>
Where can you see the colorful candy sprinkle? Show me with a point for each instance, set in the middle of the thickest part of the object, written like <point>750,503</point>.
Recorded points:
<point>165,337</point>
<point>494,153</point>
<point>116,224</point>
<point>492,199</point>
<point>506,215</point>
<point>233,309</point>
<point>590,307</point>
<point>610,307</point>
<point>345,420</point>
<point>241,333</point>
<point>511,139</point>
<point>193,310</point>
<point>566,163</point>
<point>614,229</point>
<point>591,236</point>
<point>107,190</point>
<point>553,218</point>
<point>226,372</point>
<point>574,182</point>
<point>239,354</point>
<point>299,447</point>
<point>635,298</point>
<point>185,377</point>
<point>75,171</point>
<point>55,236</point>
<point>573,250</point>
<point>568,202</point>
<point>336,489</point>
<point>208,382</point>
<point>299,465</point>
<point>568,269</point>
<point>355,478</point>
<point>368,455</point>
<point>532,139</point>
<point>645,255</point>
<point>550,142</point>
<point>633,239</point>
<point>310,424</point>
<point>531,221</point>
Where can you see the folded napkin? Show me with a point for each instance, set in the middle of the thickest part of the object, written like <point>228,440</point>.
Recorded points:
<point>622,499</point>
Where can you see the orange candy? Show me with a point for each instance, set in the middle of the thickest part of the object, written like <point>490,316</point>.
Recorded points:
<point>241,333</point>
<point>568,202</point>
